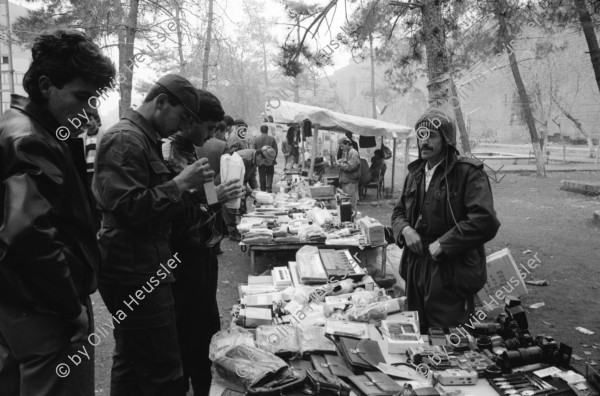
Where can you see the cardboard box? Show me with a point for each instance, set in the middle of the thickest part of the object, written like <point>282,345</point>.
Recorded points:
<point>503,278</point>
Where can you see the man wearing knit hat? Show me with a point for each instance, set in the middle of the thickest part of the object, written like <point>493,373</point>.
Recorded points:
<point>139,199</point>
<point>443,218</point>
<point>349,169</point>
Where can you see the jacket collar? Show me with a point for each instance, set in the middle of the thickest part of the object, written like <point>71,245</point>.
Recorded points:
<point>417,167</point>
<point>35,111</point>
<point>144,125</point>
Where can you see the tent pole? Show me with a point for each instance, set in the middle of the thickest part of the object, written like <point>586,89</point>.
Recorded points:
<point>393,164</point>
<point>406,157</point>
<point>313,153</point>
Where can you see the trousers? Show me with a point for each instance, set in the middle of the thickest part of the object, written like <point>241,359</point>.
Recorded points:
<point>265,176</point>
<point>229,218</point>
<point>146,360</point>
<point>431,294</point>
<point>197,313</point>
<point>37,357</point>
<point>352,190</point>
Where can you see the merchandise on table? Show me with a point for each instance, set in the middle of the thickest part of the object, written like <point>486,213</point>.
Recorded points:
<point>343,338</point>
<point>294,220</point>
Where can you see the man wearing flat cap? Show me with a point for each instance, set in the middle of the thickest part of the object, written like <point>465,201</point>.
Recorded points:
<point>349,169</point>
<point>443,218</point>
<point>138,200</point>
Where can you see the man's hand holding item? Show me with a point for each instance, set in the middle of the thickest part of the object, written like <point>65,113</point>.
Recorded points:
<point>412,240</point>
<point>194,175</point>
<point>230,190</point>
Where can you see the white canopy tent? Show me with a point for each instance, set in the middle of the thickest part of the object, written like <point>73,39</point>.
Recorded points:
<point>289,113</point>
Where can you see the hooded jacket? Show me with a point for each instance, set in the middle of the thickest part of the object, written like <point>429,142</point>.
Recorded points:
<point>458,210</point>
<point>48,251</point>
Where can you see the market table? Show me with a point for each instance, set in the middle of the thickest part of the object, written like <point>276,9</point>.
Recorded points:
<point>275,247</point>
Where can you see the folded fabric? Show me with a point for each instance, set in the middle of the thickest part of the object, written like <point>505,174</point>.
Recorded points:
<point>286,239</point>
<point>256,240</point>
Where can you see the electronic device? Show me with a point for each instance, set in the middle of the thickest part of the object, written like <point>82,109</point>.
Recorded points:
<point>437,336</point>
<point>456,377</point>
<point>339,264</point>
<point>345,211</point>
<point>474,361</point>
<point>583,389</point>
<point>281,276</point>
<point>373,230</point>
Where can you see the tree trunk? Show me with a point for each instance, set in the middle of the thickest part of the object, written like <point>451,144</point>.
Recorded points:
<point>296,82</point>
<point>437,57</point>
<point>207,45</point>
<point>464,136</point>
<point>126,61</point>
<point>373,105</point>
<point>243,81</point>
<point>505,39</point>
<point>590,37</point>
<point>179,39</point>
<point>588,137</point>
<point>441,87</point>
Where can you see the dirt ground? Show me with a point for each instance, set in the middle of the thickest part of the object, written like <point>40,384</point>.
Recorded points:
<point>535,215</point>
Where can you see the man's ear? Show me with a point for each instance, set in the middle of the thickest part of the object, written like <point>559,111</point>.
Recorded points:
<point>161,100</point>
<point>44,84</point>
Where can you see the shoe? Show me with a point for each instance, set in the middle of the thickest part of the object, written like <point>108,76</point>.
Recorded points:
<point>235,238</point>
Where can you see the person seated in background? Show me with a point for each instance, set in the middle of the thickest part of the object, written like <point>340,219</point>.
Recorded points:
<point>319,169</point>
<point>377,165</point>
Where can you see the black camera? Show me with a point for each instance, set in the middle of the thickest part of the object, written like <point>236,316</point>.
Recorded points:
<point>546,350</point>
<point>520,357</point>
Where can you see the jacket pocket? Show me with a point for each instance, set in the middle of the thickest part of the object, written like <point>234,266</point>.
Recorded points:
<point>470,272</point>
<point>160,171</point>
<point>116,251</point>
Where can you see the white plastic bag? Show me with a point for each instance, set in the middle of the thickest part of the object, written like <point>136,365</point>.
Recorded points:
<point>232,167</point>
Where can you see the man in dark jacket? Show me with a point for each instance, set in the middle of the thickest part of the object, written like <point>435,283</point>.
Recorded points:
<point>48,251</point>
<point>213,150</point>
<point>196,234</point>
<point>265,173</point>
<point>443,218</point>
<point>133,187</point>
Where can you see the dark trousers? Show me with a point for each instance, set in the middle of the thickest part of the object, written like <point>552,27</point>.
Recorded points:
<point>146,360</point>
<point>195,293</point>
<point>37,357</point>
<point>429,292</point>
<point>229,218</point>
<point>265,176</point>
